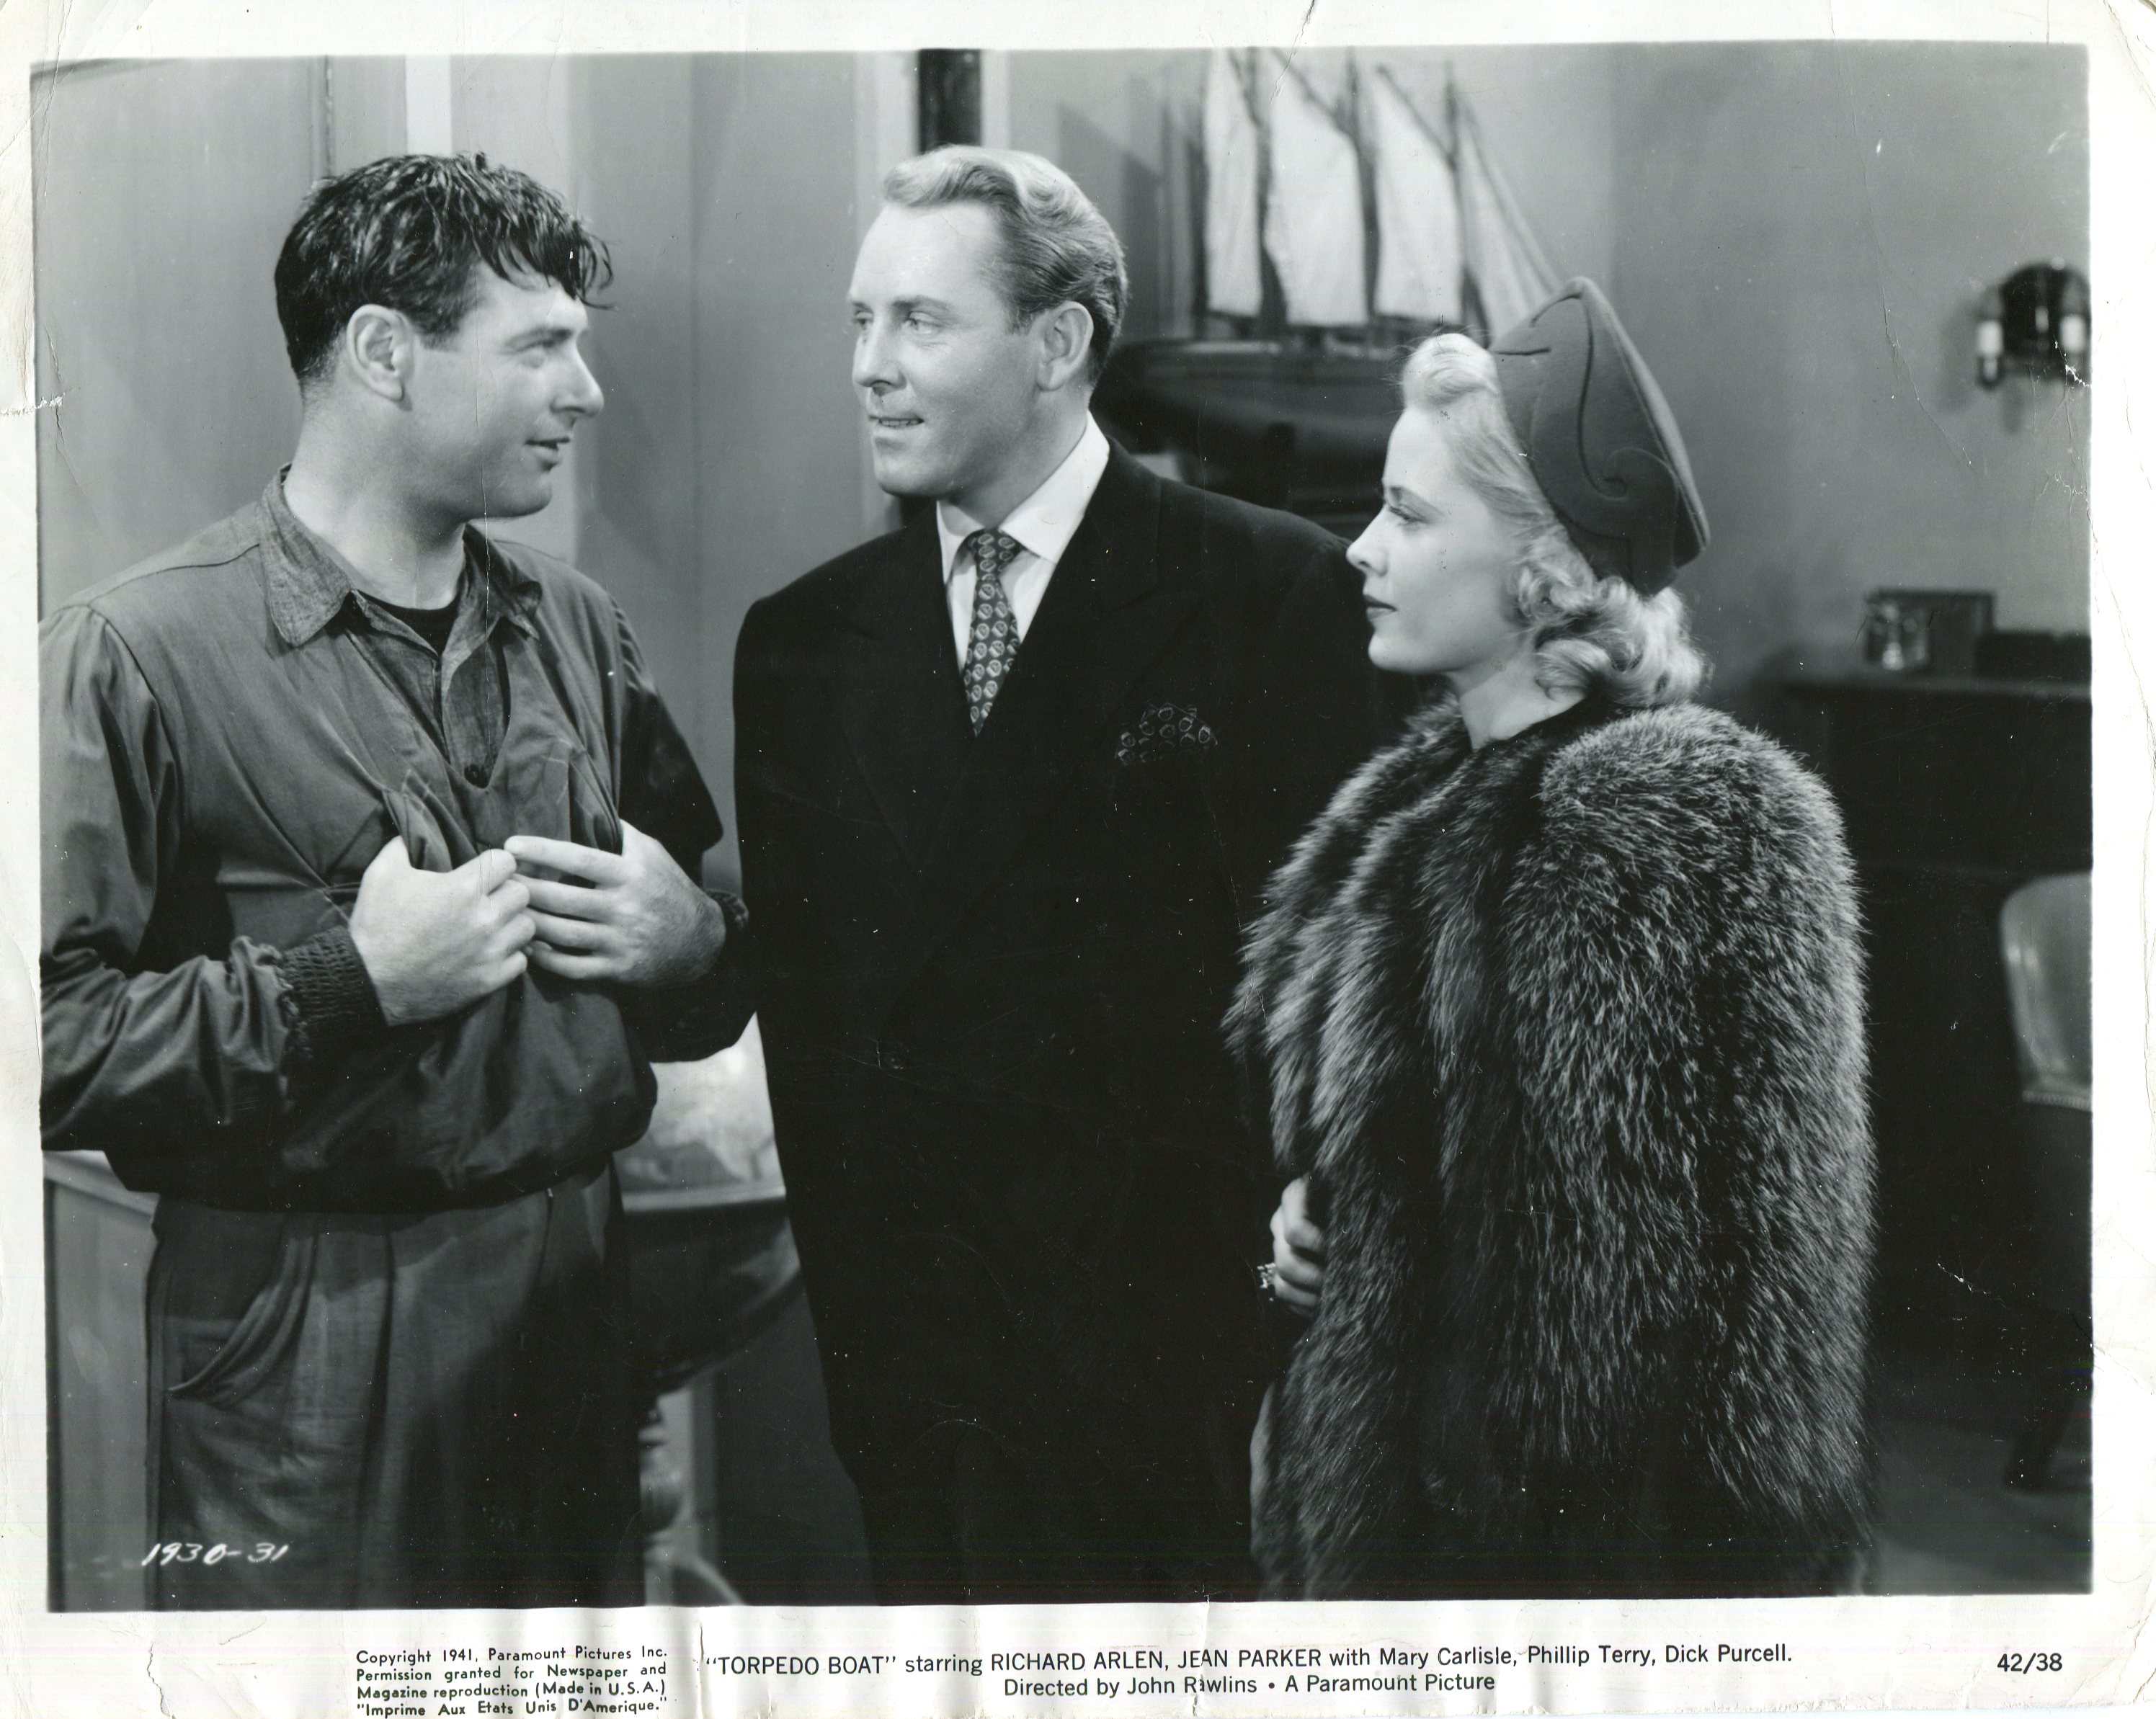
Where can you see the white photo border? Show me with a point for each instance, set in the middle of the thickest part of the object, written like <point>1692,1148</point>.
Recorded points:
<point>1872,1653</point>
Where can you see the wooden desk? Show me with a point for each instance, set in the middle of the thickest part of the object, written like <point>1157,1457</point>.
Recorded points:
<point>1956,790</point>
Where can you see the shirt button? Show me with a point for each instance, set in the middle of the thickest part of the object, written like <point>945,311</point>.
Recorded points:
<point>892,1058</point>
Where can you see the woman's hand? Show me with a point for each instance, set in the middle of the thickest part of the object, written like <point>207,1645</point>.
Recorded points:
<point>1298,1251</point>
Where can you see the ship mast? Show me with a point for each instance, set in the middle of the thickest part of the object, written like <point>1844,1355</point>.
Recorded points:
<point>1234,142</point>
<point>1508,273</point>
<point>1357,217</point>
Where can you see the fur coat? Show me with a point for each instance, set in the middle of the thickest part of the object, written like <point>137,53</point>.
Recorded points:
<point>1566,1034</point>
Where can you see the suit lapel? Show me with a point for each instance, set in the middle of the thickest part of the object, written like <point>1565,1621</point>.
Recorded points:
<point>901,703</point>
<point>1107,614</point>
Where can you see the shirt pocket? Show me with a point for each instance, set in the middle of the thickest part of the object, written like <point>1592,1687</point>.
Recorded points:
<point>431,840</point>
<point>594,821</point>
<point>339,885</point>
<point>547,786</point>
<point>398,815</point>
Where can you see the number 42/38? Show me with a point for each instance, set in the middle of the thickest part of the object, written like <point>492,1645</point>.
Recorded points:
<point>2032,1662</point>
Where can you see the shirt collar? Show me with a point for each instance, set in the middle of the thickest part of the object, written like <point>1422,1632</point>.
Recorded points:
<point>309,583</point>
<point>1044,522</point>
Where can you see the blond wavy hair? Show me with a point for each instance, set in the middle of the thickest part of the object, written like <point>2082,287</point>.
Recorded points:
<point>1590,633</point>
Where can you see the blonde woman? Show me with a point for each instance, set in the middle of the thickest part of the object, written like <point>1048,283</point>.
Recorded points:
<point>1557,1010</point>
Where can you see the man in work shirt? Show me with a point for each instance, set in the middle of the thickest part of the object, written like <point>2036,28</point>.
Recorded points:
<point>295,983</point>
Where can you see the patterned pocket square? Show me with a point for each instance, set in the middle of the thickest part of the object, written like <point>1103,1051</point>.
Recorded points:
<point>1164,730</point>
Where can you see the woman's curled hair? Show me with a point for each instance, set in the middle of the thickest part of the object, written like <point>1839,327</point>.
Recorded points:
<point>1590,633</point>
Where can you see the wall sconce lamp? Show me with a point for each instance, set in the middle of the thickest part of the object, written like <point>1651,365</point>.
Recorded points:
<point>2037,321</point>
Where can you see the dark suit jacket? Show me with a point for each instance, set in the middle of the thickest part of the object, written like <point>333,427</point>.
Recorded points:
<point>991,977</point>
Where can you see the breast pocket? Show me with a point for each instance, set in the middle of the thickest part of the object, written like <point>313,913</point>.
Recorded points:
<point>434,838</point>
<point>1167,848</point>
<point>594,821</point>
<point>548,785</point>
<point>432,842</point>
<point>341,899</point>
<point>400,815</point>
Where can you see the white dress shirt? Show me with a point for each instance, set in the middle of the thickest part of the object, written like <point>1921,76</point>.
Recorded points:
<point>1041,525</point>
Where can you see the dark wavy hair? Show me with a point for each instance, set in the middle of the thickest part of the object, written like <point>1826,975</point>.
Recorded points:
<point>410,233</point>
<point>1058,248</point>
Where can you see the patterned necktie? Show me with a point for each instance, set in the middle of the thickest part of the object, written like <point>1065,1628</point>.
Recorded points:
<point>992,646</point>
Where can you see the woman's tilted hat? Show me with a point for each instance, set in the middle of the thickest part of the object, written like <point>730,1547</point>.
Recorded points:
<point>1600,439</point>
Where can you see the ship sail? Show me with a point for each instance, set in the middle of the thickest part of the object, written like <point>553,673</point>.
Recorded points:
<point>1284,419</point>
<point>1233,282</point>
<point>1313,227</point>
<point>1419,242</point>
<point>1511,274</point>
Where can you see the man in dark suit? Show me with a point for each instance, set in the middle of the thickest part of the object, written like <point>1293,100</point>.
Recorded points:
<point>1011,781</point>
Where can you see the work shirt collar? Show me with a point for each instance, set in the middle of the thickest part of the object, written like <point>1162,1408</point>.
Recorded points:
<point>308,583</point>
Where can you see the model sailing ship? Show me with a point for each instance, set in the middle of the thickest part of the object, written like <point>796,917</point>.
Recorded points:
<point>1333,235</point>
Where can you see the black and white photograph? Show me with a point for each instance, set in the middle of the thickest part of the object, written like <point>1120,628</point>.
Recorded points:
<point>853,846</point>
